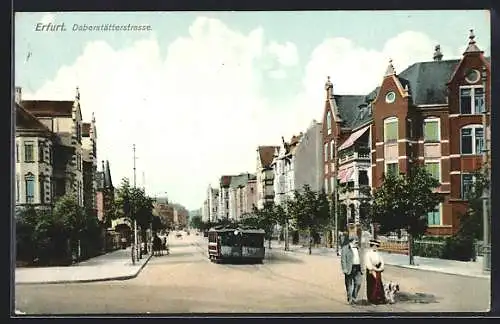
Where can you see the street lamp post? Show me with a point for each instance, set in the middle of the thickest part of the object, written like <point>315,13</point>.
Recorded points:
<point>486,190</point>
<point>335,197</point>
<point>138,255</point>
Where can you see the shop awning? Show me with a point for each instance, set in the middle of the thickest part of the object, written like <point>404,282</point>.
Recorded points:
<point>345,175</point>
<point>354,136</point>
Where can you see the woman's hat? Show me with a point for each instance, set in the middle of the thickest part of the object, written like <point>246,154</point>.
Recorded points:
<point>375,242</point>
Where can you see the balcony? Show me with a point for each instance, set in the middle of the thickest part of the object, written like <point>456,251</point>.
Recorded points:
<point>359,153</point>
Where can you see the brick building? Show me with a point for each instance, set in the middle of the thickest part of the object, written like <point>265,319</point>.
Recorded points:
<point>431,114</point>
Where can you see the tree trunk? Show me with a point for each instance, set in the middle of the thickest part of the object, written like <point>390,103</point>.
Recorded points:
<point>269,243</point>
<point>410,249</point>
<point>310,241</point>
<point>144,240</point>
<point>287,247</point>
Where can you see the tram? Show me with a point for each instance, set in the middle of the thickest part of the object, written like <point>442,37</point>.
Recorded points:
<point>236,244</point>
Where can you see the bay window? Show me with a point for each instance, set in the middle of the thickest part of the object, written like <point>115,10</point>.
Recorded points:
<point>392,168</point>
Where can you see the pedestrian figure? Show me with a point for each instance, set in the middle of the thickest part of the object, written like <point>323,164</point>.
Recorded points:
<point>374,268</point>
<point>351,267</point>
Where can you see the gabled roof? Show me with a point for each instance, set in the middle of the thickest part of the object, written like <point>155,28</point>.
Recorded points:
<point>49,108</point>
<point>26,120</point>
<point>266,155</point>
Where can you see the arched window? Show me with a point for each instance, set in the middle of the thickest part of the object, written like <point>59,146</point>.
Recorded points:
<point>390,130</point>
<point>472,139</point>
<point>29,180</point>
<point>329,121</point>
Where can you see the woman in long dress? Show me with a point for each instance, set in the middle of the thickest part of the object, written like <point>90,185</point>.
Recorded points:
<point>374,268</point>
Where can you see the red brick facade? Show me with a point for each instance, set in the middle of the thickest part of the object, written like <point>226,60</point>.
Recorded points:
<point>426,92</point>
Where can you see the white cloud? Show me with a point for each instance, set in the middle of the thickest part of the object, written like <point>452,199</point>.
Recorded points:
<point>198,113</point>
<point>358,70</point>
<point>286,54</point>
<point>277,74</point>
<point>193,115</point>
<point>48,18</point>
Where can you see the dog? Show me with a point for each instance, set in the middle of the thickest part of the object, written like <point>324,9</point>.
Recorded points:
<point>390,290</point>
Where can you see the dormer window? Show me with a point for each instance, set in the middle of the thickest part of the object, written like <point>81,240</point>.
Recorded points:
<point>471,100</point>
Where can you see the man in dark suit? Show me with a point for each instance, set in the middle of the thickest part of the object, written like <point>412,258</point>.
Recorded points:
<point>350,260</point>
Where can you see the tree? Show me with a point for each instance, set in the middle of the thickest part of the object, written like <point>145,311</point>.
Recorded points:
<point>196,222</point>
<point>134,204</point>
<point>310,211</point>
<point>403,201</point>
<point>266,219</point>
<point>69,221</point>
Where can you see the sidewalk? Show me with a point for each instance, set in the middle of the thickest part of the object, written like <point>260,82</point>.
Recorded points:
<point>116,265</point>
<point>469,269</point>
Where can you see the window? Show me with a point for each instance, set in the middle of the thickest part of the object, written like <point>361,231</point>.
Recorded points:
<point>28,152</point>
<point>17,187</point>
<point>472,140</point>
<point>363,178</point>
<point>467,184</point>
<point>434,169</point>
<point>332,150</point>
<point>325,185</point>
<point>326,151</point>
<point>329,121</point>
<point>30,188</point>
<point>392,168</point>
<point>17,152</point>
<point>40,152</point>
<point>431,130</point>
<point>434,217</point>
<point>391,130</point>
<point>42,189</point>
<point>471,100</point>
<point>332,183</point>
<point>390,97</point>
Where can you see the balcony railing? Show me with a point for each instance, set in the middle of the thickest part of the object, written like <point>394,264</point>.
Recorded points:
<point>359,153</point>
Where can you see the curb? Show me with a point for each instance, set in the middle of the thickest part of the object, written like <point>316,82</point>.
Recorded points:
<point>442,272</point>
<point>417,268</point>
<point>119,278</point>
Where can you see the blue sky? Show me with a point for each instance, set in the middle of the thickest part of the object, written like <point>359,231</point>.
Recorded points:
<point>201,90</point>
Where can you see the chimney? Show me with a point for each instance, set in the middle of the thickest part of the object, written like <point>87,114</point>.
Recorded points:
<point>18,96</point>
<point>437,53</point>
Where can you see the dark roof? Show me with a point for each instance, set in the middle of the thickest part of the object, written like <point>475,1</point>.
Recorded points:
<point>348,108</point>
<point>239,180</point>
<point>427,81</point>
<point>266,155</point>
<point>86,129</point>
<point>51,108</point>
<point>107,177</point>
<point>26,120</point>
